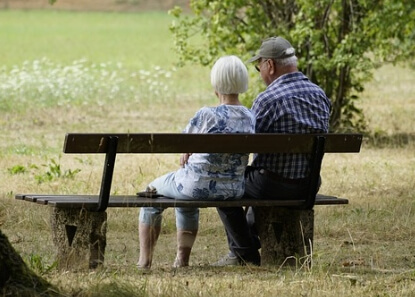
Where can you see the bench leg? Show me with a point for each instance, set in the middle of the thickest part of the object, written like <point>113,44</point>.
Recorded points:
<point>286,235</point>
<point>79,236</point>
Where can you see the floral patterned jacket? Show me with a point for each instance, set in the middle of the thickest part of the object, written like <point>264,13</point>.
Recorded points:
<point>216,176</point>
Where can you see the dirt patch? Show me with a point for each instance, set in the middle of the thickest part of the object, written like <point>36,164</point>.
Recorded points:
<point>95,5</point>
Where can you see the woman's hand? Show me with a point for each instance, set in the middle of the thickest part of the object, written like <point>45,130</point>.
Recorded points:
<point>184,158</point>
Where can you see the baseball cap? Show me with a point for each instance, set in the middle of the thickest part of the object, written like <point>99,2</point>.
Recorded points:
<point>274,48</point>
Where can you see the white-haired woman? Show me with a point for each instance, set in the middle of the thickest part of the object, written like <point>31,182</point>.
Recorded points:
<point>202,176</point>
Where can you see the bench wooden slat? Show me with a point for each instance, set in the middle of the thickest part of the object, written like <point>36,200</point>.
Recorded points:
<point>44,199</point>
<point>208,143</point>
<point>90,201</point>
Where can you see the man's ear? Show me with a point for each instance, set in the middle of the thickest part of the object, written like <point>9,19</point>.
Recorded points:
<point>271,67</point>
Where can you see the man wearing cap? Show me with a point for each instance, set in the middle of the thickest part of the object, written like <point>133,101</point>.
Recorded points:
<point>291,103</point>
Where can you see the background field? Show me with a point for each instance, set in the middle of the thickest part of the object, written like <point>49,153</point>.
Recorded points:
<point>94,5</point>
<point>114,72</point>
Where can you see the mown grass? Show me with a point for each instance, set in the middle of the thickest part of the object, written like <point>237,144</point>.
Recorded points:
<point>363,249</point>
<point>130,38</point>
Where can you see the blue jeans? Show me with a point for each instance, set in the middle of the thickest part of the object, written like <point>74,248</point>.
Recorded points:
<point>186,218</point>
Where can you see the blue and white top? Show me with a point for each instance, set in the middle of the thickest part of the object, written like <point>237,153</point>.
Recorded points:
<point>216,176</point>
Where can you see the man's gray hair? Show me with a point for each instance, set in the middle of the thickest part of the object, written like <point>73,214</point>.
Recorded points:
<point>291,61</point>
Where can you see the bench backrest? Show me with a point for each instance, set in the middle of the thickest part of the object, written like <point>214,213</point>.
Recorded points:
<point>209,143</point>
<point>111,144</point>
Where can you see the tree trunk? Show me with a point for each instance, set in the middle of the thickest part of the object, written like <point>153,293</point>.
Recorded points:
<point>16,279</point>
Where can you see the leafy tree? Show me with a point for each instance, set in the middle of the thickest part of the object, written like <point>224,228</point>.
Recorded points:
<point>339,42</point>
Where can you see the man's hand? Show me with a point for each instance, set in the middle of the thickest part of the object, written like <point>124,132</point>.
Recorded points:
<point>184,158</point>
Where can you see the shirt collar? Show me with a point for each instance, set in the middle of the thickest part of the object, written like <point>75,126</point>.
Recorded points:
<point>287,78</point>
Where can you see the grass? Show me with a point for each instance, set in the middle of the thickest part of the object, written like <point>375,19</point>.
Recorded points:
<point>363,249</point>
<point>66,37</point>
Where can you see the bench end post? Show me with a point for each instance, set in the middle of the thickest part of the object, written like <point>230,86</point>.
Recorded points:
<point>109,165</point>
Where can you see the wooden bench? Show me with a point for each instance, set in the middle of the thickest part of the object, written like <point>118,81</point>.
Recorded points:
<point>285,227</point>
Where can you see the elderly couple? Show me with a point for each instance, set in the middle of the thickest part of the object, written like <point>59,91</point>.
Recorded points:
<point>291,103</point>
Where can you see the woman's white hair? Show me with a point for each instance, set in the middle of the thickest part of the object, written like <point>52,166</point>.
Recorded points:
<point>229,76</point>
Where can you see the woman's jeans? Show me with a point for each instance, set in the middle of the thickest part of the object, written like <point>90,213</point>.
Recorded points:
<point>186,218</point>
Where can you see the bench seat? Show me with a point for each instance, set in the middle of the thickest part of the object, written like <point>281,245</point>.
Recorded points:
<point>90,201</point>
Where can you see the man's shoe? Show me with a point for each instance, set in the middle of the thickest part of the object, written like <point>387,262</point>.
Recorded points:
<point>252,259</point>
<point>228,260</point>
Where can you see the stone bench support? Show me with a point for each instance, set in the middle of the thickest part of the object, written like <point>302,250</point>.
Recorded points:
<point>79,237</point>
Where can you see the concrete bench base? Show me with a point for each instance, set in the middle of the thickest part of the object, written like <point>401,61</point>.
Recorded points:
<point>79,237</point>
<point>286,235</point>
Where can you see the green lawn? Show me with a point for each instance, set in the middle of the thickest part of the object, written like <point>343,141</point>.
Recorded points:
<point>135,39</point>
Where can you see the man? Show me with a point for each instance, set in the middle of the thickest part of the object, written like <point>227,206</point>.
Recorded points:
<point>291,103</point>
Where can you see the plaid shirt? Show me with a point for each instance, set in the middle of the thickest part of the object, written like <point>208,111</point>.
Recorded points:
<point>290,104</point>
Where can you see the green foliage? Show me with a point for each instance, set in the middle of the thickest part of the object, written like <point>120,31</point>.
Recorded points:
<point>20,169</point>
<point>17,169</point>
<point>37,264</point>
<point>54,171</point>
<point>339,43</point>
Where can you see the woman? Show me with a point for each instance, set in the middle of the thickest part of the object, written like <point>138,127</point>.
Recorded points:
<point>202,176</point>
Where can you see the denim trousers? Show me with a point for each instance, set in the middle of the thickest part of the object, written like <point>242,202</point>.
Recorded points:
<point>186,218</point>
